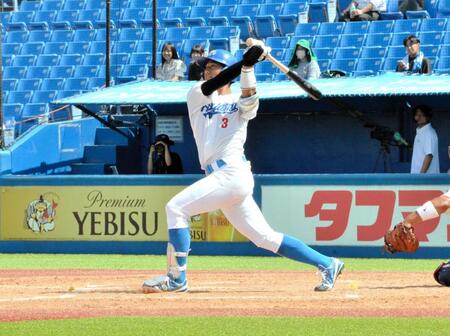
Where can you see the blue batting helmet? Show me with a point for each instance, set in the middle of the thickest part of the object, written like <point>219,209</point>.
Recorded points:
<point>220,56</point>
<point>442,274</point>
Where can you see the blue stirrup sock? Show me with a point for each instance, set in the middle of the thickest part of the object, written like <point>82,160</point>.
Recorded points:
<point>181,241</point>
<point>295,249</point>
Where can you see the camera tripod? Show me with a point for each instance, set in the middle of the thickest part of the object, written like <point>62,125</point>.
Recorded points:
<point>385,153</point>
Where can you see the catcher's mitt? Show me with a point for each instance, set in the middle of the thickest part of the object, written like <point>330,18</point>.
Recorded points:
<point>401,239</point>
<point>442,274</point>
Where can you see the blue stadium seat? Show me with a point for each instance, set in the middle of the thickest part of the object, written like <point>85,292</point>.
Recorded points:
<point>244,18</point>
<point>224,2</point>
<point>265,67</point>
<point>177,34</point>
<point>148,34</point>
<point>10,48</point>
<point>166,3</point>
<point>68,16</point>
<point>430,38</point>
<point>119,59</point>
<point>52,84</point>
<point>345,65</point>
<point>62,71</point>
<point>55,48</point>
<point>430,50</point>
<point>95,83</point>
<point>32,48</point>
<point>444,63</point>
<point>64,94</point>
<point>71,59</point>
<point>289,17</point>
<point>318,12</point>
<point>76,83</point>
<point>396,52</point>
<point>86,71</point>
<point>43,96</point>
<point>146,46</point>
<point>42,20</point>
<point>446,39</point>
<point>101,35</point>
<point>278,41</point>
<point>95,4</point>
<point>199,15</point>
<point>381,27</point>
<point>265,26</point>
<point>115,15</point>
<point>24,60</point>
<point>88,15</point>
<point>147,21</point>
<point>141,58</point>
<point>38,72</point>
<point>347,53</point>
<point>373,52</point>
<point>62,36</point>
<point>7,60</point>
<point>274,9</point>
<point>390,64</point>
<point>98,47</point>
<point>140,4</point>
<point>31,113</point>
<point>369,64</point>
<point>377,40</point>
<point>30,6</point>
<point>278,53</point>
<point>324,64</point>
<point>132,17</point>
<point>226,32</point>
<point>356,27</point>
<point>326,41</point>
<point>84,35</point>
<point>9,84</point>
<point>184,3</point>
<point>115,71</point>
<point>406,26</point>
<point>305,29</point>
<point>264,77</point>
<point>330,28</point>
<point>219,43</point>
<point>433,25</point>
<point>28,84</point>
<point>123,47</point>
<point>433,61</point>
<point>11,111</point>
<point>120,3</point>
<point>218,21</point>
<point>208,2</point>
<point>19,97</point>
<point>17,37</point>
<point>287,24</point>
<point>341,5</point>
<point>39,36</point>
<point>93,59</point>
<point>443,8</point>
<point>444,51</point>
<point>22,17</point>
<point>132,72</point>
<point>129,34</point>
<point>78,47</point>
<point>73,5</point>
<point>14,72</point>
<point>52,5</point>
<point>392,12</point>
<point>200,32</point>
<point>324,53</point>
<point>250,10</point>
<point>353,40</point>
<point>177,13</point>
<point>249,2</point>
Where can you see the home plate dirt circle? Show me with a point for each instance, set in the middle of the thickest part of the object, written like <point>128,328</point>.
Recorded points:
<point>58,294</point>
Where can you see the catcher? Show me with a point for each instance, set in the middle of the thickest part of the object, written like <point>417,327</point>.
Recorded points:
<point>402,238</point>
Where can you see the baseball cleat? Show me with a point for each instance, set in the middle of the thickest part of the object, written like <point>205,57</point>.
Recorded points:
<point>329,275</point>
<point>163,283</point>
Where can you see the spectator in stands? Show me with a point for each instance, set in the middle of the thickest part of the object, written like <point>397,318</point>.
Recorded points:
<point>171,67</point>
<point>414,61</point>
<point>195,71</point>
<point>304,62</point>
<point>410,5</point>
<point>425,157</point>
<point>364,10</point>
<point>161,160</point>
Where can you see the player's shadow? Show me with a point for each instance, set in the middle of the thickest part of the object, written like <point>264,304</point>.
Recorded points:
<point>402,287</point>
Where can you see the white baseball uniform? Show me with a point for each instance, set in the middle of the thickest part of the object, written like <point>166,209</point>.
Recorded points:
<point>220,131</point>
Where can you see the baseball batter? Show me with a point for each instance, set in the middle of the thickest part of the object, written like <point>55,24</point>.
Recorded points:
<point>219,122</point>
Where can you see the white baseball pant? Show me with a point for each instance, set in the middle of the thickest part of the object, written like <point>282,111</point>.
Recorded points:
<point>229,189</point>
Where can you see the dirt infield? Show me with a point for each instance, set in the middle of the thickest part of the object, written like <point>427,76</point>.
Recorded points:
<point>58,294</point>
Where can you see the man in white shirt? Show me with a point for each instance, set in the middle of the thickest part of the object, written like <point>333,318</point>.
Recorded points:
<point>425,158</point>
<point>364,10</point>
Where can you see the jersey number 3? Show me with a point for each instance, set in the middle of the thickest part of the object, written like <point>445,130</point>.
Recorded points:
<point>224,123</point>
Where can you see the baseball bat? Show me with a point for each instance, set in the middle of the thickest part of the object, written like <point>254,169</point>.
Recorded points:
<point>310,89</point>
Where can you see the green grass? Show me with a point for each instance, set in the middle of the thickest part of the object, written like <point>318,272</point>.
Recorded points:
<point>143,262</point>
<point>217,326</point>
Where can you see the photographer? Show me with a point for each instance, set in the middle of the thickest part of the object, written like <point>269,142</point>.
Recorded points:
<point>161,160</point>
